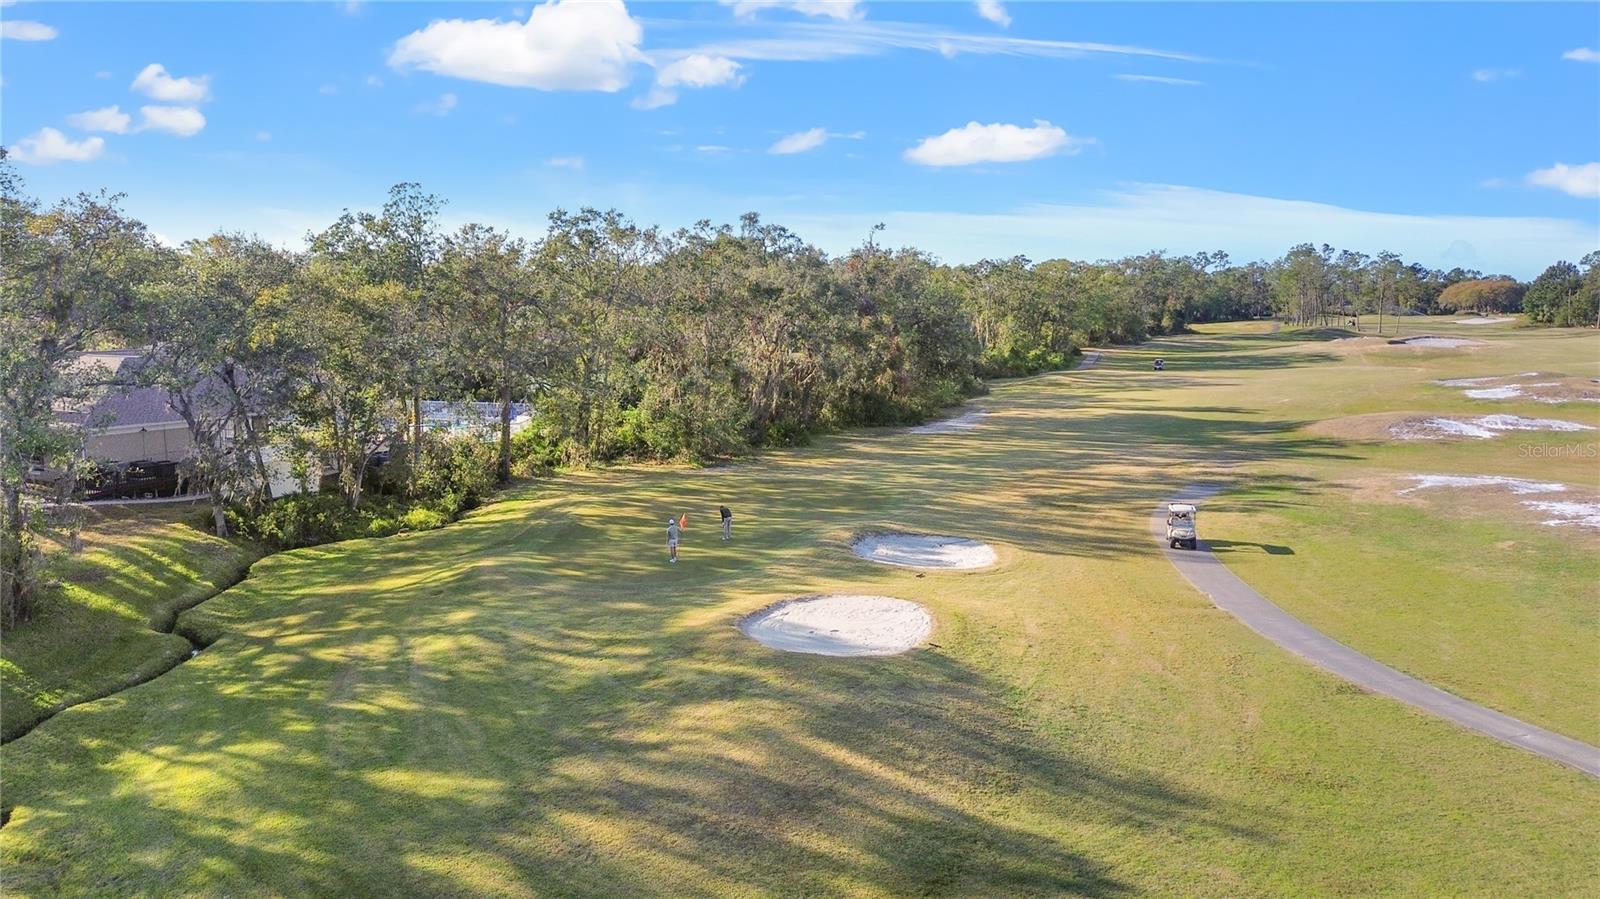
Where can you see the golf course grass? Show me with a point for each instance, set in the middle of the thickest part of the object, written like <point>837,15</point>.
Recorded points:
<point>531,702</point>
<point>109,622</point>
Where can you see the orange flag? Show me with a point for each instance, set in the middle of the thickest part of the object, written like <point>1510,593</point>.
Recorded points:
<point>683,522</point>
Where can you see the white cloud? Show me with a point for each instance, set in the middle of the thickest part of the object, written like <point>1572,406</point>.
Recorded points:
<point>799,142</point>
<point>1494,74</point>
<point>564,45</point>
<point>1582,54</point>
<point>374,81</point>
<point>575,163</point>
<point>184,121</point>
<point>111,119</point>
<point>1159,79</point>
<point>48,146</point>
<point>994,11</point>
<point>976,143</point>
<point>700,70</point>
<point>823,41</point>
<point>328,90</point>
<point>263,136</point>
<point>153,81</point>
<point>1138,217</point>
<point>24,30</point>
<point>1577,180</point>
<point>441,106</point>
<point>712,148</point>
<point>697,70</point>
<point>843,10</point>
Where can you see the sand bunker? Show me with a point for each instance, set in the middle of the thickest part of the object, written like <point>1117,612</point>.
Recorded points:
<point>924,551</point>
<point>840,625</point>
<point>1431,341</point>
<point>1515,485</point>
<point>1479,428</point>
<point>966,421</point>
<point>1480,320</point>
<point>1584,515</point>
<point>1550,388</point>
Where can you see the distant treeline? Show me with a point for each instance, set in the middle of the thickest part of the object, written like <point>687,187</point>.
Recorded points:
<point>629,341</point>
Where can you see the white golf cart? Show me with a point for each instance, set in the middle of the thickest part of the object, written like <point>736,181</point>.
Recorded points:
<point>1180,526</point>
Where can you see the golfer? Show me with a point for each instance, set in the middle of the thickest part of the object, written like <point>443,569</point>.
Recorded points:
<point>727,523</point>
<point>672,539</point>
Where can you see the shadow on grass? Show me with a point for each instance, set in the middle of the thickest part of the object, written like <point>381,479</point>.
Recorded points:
<point>355,741</point>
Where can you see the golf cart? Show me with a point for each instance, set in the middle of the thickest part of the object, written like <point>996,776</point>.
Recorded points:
<point>1180,526</point>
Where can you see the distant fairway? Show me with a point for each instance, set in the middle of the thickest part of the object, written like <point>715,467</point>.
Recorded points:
<point>531,702</point>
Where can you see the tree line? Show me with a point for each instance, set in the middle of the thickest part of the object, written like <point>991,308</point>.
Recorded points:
<point>628,341</point>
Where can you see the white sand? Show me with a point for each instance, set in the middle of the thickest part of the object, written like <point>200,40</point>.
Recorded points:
<point>1480,320</point>
<point>840,625</point>
<point>924,551</point>
<point>1515,485</point>
<point>1495,393</point>
<point>1468,382</point>
<point>966,421</point>
<point>1435,341</point>
<point>1584,515</point>
<point>1479,428</point>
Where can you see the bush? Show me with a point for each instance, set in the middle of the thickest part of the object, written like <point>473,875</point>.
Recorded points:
<point>534,451</point>
<point>422,518</point>
<point>301,519</point>
<point>455,473</point>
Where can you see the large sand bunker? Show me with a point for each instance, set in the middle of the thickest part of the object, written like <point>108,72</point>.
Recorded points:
<point>1480,320</point>
<point>840,625</point>
<point>1480,428</point>
<point>1548,388</point>
<point>1583,513</point>
<point>924,551</point>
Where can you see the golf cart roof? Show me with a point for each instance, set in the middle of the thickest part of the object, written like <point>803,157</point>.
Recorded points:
<point>1180,508</point>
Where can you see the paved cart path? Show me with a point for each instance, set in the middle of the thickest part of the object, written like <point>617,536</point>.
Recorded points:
<point>1207,573</point>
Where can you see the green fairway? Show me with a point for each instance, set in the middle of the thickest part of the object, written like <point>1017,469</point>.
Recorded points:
<point>531,702</point>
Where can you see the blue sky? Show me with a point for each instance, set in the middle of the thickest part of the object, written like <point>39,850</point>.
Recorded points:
<point>1455,134</point>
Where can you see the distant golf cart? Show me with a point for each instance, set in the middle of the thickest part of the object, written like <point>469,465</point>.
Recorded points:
<point>1180,526</point>
<point>1161,365</point>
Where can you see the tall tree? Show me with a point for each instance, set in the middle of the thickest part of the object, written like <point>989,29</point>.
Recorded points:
<point>493,294</point>
<point>70,274</point>
<point>334,330</point>
<point>401,244</point>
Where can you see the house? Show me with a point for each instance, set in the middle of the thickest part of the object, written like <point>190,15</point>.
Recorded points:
<point>126,422</point>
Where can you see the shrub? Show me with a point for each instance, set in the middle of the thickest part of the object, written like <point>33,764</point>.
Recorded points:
<point>455,473</point>
<point>422,518</point>
<point>301,519</point>
<point>534,451</point>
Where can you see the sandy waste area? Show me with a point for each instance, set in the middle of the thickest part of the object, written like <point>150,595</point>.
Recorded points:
<point>1582,513</point>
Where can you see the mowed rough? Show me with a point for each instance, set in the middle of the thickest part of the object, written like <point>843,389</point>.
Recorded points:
<point>530,703</point>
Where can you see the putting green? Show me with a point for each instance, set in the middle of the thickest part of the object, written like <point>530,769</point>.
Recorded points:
<point>530,702</point>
